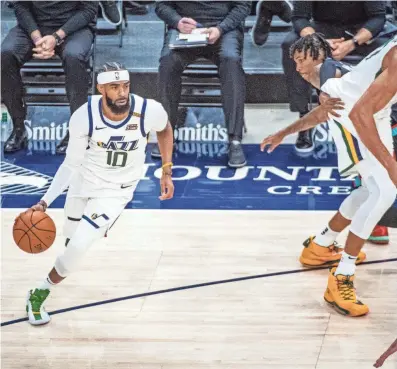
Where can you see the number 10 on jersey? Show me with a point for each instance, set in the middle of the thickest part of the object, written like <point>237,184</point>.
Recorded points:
<point>116,158</point>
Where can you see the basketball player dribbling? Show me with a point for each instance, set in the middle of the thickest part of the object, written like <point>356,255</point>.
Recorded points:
<point>364,142</point>
<point>103,165</point>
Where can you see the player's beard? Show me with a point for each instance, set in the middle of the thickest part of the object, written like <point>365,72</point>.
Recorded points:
<point>118,109</point>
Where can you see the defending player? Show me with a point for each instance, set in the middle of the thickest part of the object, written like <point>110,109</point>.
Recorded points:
<point>364,142</point>
<point>103,164</point>
<point>317,67</point>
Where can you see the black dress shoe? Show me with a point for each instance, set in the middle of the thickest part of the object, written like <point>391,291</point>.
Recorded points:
<point>111,12</point>
<point>261,29</point>
<point>63,145</point>
<point>236,156</point>
<point>155,153</point>
<point>265,10</point>
<point>305,141</point>
<point>18,140</point>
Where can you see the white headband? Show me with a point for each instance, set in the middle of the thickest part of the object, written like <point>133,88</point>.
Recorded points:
<point>113,76</point>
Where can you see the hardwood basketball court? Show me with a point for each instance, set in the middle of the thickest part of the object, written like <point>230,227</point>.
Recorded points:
<point>273,321</point>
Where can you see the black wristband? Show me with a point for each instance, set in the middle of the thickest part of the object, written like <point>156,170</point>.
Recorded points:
<point>57,38</point>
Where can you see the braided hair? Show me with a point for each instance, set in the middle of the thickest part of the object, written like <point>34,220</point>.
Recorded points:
<point>111,66</point>
<point>312,44</point>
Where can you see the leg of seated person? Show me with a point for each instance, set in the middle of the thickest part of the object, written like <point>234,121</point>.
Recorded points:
<point>16,49</point>
<point>75,53</point>
<point>298,88</point>
<point>172,65</point>
<point>227,55</point>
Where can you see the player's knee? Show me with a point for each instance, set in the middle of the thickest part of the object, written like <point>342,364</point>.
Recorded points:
<point>70,260</point>
<point>385,195</point>
<point>353,202</point>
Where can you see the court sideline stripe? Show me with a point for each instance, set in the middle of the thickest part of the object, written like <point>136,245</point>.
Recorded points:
<point>188,287</point>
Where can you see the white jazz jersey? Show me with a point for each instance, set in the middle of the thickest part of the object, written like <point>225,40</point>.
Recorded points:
<point>350,88</point>
<point>106,158</point>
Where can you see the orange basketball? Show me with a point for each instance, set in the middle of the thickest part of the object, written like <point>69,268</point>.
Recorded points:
<point>34,231</point>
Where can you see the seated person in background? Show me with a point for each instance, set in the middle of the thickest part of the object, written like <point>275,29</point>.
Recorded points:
<point>223,21</point>
<point>45,28</point>
<point>362,19</point>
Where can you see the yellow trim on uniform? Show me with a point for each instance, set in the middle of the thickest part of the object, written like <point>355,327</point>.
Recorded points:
<point>350,144</point>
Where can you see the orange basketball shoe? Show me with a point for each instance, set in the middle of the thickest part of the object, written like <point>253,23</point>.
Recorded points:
<point>341,295</point>
<point>379,236</point>
<point>314,255</point>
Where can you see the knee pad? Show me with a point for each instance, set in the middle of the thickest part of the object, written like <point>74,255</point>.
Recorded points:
<point>353,202</point>
<point>83,238</point>
<point>382,194</point>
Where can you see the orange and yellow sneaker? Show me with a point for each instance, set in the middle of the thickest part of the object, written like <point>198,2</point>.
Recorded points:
<point>314,255</point>
<point>379,236</point>
<point>341,295</point>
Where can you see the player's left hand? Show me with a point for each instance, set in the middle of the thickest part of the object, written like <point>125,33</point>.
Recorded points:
<point>213,34</point>
<point>330,104</point>
<point>167,187</point>
<point>273,141</point>
<point>342,49</point>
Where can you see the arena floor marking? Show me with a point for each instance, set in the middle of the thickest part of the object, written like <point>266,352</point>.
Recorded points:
<point>188,287</point>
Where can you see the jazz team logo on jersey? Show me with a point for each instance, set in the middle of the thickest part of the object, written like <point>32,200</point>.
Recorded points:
<point>118,143</point>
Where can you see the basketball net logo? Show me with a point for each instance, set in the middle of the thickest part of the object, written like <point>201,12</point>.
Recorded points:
<point>117,75</point>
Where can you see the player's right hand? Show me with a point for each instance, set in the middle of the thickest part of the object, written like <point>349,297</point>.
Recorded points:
<point>186,25</point>
<point>330,104</point>
<point>273,141</point>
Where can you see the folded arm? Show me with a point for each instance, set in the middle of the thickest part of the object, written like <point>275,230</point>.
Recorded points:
<point>25,18</point>
<point>86,14</point>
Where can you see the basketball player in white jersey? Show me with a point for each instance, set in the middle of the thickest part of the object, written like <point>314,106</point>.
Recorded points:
<point>363,138</point>
<point>103,165</point>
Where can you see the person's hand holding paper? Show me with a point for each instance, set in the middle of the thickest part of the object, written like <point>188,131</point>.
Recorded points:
<point>213,33</point>
<point>186,25</point>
